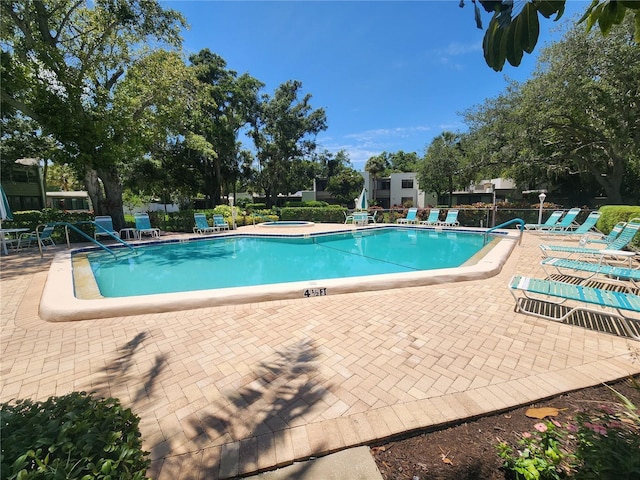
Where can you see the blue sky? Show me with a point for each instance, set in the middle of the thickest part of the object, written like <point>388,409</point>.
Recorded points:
<point>391,75</point>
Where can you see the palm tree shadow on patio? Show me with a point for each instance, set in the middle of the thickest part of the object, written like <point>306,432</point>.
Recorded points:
<point>285,390</point>
<point>117,375</point>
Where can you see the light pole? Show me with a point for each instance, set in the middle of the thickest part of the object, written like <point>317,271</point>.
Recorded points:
<point>542,196</point>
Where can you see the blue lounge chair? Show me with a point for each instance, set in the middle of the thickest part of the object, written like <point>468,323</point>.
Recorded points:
<point>202,225</point>
<point>410,218</point>
<point>42,236</point>
<point>600,238</point>
<point>104,227</point>
<point>551,221</point>
<point>433,218</point>
<point>626,277</point>
<point>143,226</point>
<point>558,293</point>
<point>451,220</point>
<point>587,226</point>
<point>567,222</point>
<point>219,223</point>
<point>613,250</point>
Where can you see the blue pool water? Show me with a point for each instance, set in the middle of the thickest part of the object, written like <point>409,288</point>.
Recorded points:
<point>252,260</point>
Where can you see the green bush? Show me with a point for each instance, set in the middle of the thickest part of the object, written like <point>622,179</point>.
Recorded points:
<point>32,218</point>
<point>612,214</point>
<point>314,214</point>
<point>70,437</point>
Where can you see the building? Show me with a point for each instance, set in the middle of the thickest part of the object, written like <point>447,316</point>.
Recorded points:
<point>69,201</point>
<point>23,184</point>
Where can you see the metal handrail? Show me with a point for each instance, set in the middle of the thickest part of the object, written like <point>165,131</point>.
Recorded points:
<point>77,230</point>
<point>506,224</point>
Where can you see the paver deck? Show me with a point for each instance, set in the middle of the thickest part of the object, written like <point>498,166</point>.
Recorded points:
<point>228,391</point>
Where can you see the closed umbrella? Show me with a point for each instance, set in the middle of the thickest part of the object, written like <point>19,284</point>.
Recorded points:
<point>361,202</point>
<point>5,210</point>
<point>5,214</point>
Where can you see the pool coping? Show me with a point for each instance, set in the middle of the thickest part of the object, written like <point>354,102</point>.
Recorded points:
<point>59,304</point>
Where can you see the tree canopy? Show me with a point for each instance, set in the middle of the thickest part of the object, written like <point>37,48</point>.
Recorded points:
<point>514,27</point>
<point>62,61</point>
<point>577,120</point>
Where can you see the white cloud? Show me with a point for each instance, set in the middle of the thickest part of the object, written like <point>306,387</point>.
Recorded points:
<point>361,146</point>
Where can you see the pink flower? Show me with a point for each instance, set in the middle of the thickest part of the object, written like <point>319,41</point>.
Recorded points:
<point>596,428</point>
<point>526,435</point>
<point>541,427</point>
<point>571,428</point>
<point>607,409</point>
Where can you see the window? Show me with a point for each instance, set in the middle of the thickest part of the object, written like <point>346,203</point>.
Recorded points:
<point>407,183</point>
<point>384,185</point>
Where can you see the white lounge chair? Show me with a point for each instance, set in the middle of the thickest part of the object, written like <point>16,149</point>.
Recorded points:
<point>451,220</point>
<point>550,222</point>
<point>557,293</point>
<point>219,223</point>
<point>143,226</point>
<point>202,225</point>
<point>613,250</point>
<point>104,227</point>
<point>411,217</point>
<point>433,218</point>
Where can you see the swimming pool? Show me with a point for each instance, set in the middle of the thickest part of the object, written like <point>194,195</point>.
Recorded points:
<point>401,268</point>
<point>246,261</point>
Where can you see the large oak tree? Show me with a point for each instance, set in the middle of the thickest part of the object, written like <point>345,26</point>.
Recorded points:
<point>62,61</point>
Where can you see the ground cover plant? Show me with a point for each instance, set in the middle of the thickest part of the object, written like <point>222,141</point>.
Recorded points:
<point>74,436</point>
<point>593,434</point>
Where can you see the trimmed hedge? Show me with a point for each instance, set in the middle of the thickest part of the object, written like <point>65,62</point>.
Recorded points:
<point>331,214</point>
<point>74,436</point>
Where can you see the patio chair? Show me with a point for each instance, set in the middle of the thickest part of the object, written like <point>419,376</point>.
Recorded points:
<point>601,238</point>
<point>104,227</point>
<point>627,278</point>
<point>612,250</point>
<point>411,217</point>
<point>451,220</point>
<point>567,222</point>
<point>202,225</point>
<point>433,218</point>
<point>557,293</point>
<point>143,226</point>
<point>551,221</point>
<point>44,237</point>
<point>219,223</point>
<point>587,226</point>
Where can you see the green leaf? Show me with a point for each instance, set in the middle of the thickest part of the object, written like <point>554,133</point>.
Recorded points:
<point>491,45</point>
<point>512,40</point>
<point>549,7</point>
<point>530,29</point>
<point>478,18</point>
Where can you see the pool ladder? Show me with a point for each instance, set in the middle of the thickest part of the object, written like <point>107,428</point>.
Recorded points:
<point>519,221</point>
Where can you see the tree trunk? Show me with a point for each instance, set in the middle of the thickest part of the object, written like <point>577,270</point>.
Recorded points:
<point>94,190</point>
<point>112,204</point>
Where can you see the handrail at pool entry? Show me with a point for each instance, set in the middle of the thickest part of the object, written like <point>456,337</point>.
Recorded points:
<point>92,240</point>
<point>506,224</point>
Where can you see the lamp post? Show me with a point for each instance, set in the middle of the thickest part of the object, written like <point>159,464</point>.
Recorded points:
<point>542,196</point>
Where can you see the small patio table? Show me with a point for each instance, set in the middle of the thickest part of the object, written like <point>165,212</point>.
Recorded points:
<point>3,238</point>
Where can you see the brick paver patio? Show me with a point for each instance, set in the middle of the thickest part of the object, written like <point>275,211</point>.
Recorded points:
<point>232,390</point>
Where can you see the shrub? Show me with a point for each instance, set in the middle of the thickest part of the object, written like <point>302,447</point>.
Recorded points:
<point>540,457</point>
<point>609,442</point>
<point>73,437</point>
<point>605,445</point>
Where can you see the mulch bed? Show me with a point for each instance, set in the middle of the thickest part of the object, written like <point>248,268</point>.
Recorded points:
<point>467,451</point>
